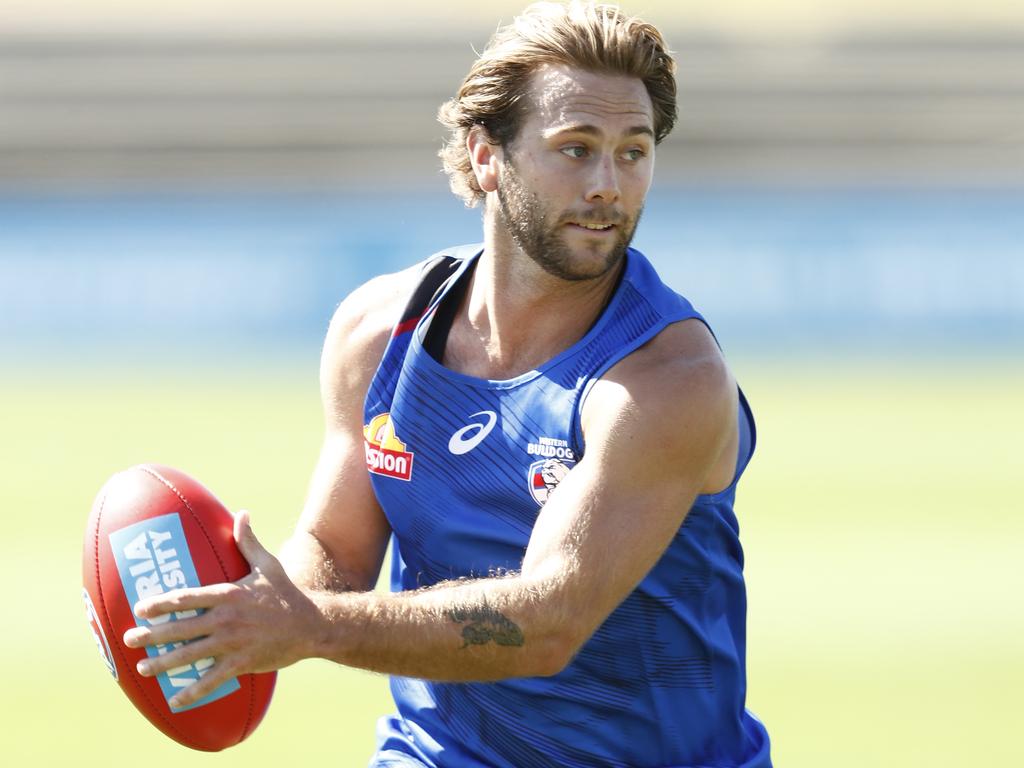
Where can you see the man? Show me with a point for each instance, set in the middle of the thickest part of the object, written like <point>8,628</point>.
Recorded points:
<point>549,436</point>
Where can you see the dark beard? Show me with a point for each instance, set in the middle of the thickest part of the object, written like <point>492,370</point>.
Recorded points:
<point>525,217</point>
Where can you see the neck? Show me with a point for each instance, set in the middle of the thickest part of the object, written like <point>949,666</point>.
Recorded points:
<point>515,316</point>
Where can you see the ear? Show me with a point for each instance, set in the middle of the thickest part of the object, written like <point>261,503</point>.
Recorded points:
<point>485,158</point>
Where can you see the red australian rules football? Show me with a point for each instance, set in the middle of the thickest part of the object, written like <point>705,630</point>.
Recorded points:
<point>154,529</point>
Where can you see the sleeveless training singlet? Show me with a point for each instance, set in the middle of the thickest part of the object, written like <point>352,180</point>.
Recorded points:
<point>462,466</point>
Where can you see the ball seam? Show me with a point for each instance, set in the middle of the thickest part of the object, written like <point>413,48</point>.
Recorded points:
<point>154,705</point>
<point>223,568</point>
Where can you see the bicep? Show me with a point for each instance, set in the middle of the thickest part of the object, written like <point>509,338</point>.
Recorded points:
<point>648,456</point>
<point>342,533</point>
<point>342,518</point>
<point>601,532</point>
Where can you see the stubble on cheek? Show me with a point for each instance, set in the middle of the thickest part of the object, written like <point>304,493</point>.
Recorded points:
<point>529,223</point>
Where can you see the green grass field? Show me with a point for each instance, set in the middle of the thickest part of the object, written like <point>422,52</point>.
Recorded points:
<point>882,522</point>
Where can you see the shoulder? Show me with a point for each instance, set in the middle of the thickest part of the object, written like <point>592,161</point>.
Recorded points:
<point>367,316</point>
<point>675,392</point>
<point>358,335</point>
<point>684,352</point>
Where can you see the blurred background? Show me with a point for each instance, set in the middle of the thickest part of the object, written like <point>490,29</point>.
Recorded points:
<point>188,189</point>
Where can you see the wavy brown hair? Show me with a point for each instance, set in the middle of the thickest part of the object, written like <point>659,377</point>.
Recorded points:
<point>585,35</point>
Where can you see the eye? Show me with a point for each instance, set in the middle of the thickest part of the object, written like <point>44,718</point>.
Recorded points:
<point>575,151</point>
<point>634,154</point>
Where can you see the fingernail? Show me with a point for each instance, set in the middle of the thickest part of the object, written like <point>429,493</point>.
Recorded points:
<point>174,702</point>
<point>143,667</point>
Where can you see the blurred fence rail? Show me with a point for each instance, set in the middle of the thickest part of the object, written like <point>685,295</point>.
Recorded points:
<point>914,108</point>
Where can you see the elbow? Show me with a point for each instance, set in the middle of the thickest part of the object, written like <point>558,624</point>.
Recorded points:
<point>557,630</point>
<point>561,622</point>
<point>556,652</point>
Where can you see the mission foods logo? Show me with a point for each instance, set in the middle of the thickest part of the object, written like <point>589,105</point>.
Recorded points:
<point>385,453</point>
<point>152,557</point>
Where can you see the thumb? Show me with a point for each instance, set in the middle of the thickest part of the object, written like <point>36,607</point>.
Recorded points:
<point>248,544</point>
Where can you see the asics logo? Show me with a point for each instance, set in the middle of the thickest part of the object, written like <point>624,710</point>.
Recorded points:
<point>470,436</point>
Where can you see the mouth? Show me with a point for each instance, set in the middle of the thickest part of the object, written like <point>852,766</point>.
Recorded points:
<point>587,226</point>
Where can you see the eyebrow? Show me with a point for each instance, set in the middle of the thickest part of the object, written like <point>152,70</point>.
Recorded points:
<point>593,130</point>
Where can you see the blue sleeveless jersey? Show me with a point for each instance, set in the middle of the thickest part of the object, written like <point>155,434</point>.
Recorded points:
<point>461,467</point>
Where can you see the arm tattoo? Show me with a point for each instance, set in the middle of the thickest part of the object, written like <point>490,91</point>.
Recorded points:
<point>481,625</point>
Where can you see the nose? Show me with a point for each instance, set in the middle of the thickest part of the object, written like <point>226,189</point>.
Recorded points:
<point>604,181</point>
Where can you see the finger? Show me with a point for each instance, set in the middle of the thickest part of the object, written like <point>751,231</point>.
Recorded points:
<point>181,600</point>
<point>212,679</point>
<point>178,656</point>
<point>247,541</point>
<point>170,632</point>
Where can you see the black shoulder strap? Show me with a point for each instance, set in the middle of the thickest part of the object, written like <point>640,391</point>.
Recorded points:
<point>437,271</point>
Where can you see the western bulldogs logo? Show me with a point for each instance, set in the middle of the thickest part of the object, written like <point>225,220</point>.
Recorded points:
<point>544,476</point>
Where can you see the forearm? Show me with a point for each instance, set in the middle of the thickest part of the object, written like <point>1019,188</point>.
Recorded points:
<point>487,629</point>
